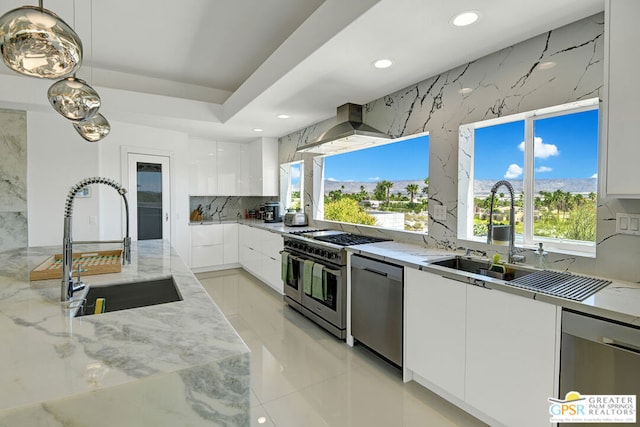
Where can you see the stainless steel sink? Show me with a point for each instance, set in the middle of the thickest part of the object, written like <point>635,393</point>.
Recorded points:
<point>482,267</point>
<point>124,296</point>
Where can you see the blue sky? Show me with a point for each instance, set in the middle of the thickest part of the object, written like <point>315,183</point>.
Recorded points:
<point>565,147</point>
<point>403,160</point>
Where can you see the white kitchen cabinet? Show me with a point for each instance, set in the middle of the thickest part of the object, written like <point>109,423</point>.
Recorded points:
<point>621,96</point>
<point>435,333</point>
<point>233,169</point>
<point>229,160</point>
<point>214,245</point>
<point>230,232</point>
<point>260,255</point>
<point>512,348</point>
<point>207,245</point>
<point>203,167</point>
<point>263,167</point>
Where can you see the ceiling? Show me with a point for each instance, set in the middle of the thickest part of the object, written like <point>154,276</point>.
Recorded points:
<point>241,63</point>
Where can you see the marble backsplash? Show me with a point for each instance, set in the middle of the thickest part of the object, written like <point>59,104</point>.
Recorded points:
<point>506,82</point>
<point>13,179</point>
<point>221,208</point>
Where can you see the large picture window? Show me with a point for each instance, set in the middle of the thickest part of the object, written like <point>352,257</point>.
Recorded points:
<point>550,157</point>
<point>384,186</point>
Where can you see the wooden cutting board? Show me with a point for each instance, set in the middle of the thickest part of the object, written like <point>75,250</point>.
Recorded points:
<point>98,262</point>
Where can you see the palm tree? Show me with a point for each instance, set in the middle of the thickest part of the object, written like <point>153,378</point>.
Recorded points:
<point>425,189</point>
<point>412,189</point>
<point>387,186</point>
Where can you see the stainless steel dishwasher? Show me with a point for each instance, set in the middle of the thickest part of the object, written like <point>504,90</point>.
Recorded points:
<point>376,306</point>
<point>598,357</point>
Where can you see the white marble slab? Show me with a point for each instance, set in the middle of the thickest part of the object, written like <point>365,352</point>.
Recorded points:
<point>181,359</point>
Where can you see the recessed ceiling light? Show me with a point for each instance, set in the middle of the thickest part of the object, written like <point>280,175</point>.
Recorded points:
<point>546,65</point>
<point>258,129</point>
<point>262,420</point>
<point>465,18</point>
<point>382,63</point>
<point>465,90</point>
<point>283,116</point>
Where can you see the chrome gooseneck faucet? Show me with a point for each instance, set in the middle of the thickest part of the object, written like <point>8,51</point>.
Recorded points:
<point>512,223</point>
<point>68,287</point>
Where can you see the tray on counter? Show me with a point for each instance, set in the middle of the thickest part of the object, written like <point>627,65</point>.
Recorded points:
<point>96,262</point>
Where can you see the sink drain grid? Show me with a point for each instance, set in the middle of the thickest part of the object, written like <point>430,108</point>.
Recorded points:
<point>565,285</point>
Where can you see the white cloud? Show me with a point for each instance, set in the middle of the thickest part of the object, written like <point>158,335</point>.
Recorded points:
<point>544,169</point>
<point>540,149</point>
<point>595,175</point>
<point>377,178</point>
<point>514,171</point>
<point>295,173</point>
<point>331,179</point>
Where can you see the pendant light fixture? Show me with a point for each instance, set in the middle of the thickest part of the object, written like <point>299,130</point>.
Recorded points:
<point>74,99</point>
<point>93,129</point>
<point>35,42</point>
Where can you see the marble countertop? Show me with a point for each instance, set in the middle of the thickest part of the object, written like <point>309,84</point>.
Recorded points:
<point>169,364</point>
<point>618,301</point>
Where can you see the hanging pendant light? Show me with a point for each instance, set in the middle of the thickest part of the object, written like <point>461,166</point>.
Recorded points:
<point>36,42</point>
<point>94,129</point>
<point>74,99</point>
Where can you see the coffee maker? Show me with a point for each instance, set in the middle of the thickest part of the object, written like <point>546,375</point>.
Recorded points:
<point>272,212</point>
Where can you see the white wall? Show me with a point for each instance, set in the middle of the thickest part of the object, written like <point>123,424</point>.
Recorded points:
<point>58,158</point>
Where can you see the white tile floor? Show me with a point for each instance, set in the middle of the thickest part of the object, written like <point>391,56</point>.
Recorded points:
<point>303,376</point>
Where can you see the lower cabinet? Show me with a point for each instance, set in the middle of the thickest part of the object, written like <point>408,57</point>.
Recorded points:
<point>435,332</point>
<point>214,245</point>
<point>260,255</point>
<point>493,352</point>
<point>512,348</point>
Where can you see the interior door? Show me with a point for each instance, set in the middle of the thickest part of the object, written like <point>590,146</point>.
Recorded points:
<point>149,197</point>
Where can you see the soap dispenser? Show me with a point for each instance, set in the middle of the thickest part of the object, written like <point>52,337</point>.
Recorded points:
<point>541,257</point>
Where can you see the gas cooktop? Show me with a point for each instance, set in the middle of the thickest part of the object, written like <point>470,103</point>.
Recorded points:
<point>345,239</point>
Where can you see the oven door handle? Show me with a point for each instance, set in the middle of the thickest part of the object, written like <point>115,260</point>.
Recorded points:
<point>621,345</point>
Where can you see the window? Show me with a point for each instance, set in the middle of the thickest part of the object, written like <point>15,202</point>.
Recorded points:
<point>292,185</point>
<point>550,157</point>
<point>384,186</point>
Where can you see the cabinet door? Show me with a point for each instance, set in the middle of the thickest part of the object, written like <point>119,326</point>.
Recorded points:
<point>203,167</point>
<point>206,256</point>
<point>230,243</point>
<point>512,354</point>
<point>621,97</point>
<point>270,273</point>
<point>435,329</point>
<point>206,235</point>
<point>229,168</point>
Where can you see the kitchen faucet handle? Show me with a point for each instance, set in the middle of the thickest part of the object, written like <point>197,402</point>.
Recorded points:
<point>79,285</point>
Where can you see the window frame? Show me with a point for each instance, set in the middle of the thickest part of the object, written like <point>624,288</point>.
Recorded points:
<point>466,146</point>
<point>286,186</point>
<point>319,178</point>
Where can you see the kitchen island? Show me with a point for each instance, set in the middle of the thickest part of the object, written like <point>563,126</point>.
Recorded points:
<point>179,363</point>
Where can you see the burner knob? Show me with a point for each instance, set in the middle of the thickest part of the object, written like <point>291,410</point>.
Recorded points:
<point>325,253</point>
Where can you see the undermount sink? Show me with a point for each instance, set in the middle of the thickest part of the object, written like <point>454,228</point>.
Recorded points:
<point>475,266</point>
<point>124,296</point>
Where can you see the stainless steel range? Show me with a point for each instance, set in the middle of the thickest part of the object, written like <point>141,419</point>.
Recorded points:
<point>315,275</point>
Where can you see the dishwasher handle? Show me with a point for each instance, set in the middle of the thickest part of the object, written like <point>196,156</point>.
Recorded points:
<point>379,273</point>
<point>379,268</point>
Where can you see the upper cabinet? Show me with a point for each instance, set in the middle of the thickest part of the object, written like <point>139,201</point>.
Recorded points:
<point>621,100</point>
<point>263,167</point>
<point>232,168</point>
<point>203,167</point>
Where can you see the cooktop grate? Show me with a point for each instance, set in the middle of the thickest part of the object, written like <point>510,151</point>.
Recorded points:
<point>565,285</point>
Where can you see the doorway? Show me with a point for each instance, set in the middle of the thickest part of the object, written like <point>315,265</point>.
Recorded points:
<point>149,197</point>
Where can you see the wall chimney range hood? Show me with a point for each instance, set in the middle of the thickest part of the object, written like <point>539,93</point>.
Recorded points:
<point>349,134</point>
